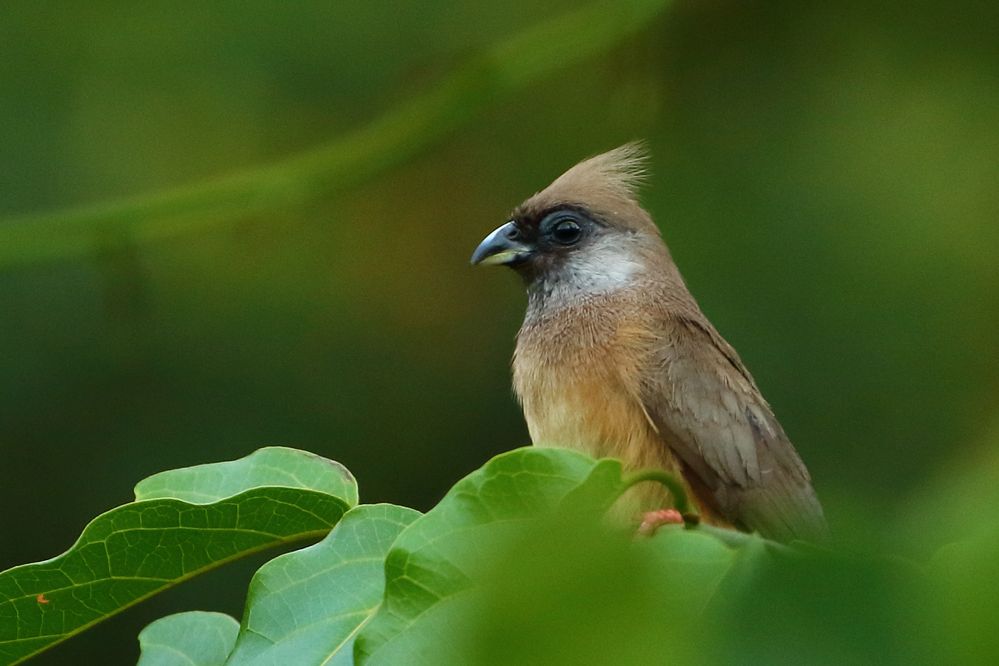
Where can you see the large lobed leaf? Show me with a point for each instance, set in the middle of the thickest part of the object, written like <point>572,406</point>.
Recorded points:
<point>182,523</point>
<point>512,566</point>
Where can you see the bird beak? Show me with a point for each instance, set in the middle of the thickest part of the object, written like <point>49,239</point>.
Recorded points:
<point>501,247</point>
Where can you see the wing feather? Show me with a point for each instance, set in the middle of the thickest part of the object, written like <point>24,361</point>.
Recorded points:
<point>711,414</point>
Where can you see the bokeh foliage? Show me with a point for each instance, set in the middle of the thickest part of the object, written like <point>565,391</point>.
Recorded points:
<point>824,174</point>
<point>517,564</point>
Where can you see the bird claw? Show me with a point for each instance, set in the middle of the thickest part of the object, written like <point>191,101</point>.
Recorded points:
<point>653,520</point>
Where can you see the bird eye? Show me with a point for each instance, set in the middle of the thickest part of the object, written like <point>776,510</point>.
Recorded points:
<point>566,231</point>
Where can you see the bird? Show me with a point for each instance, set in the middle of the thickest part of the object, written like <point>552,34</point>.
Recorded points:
<point>615,358</point>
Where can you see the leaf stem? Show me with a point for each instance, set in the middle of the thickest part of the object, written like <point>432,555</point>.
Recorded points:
<point>670,482</point>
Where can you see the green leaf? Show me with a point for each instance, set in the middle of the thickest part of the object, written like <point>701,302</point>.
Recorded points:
<point>688,566</point>
<point>195,638</point>
<point>183,523</point>
<point>274,466</point>
<point>815,607</point>
<point>437,557</point>
<point>494,530</point>
<point>961,601</point>
<point>572,591</point>
<point>306,607</point>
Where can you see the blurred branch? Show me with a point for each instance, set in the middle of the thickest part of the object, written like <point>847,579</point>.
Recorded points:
<point>401,133</point>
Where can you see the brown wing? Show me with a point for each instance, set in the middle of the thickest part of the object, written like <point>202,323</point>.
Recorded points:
<point>710,413</point>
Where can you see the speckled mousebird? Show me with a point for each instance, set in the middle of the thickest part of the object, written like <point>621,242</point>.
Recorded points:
<point>615,358</point>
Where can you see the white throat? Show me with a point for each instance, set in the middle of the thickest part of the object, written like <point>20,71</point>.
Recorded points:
<point>609,265</point>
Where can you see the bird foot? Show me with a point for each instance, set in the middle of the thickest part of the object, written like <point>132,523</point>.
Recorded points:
<point>653,520</point>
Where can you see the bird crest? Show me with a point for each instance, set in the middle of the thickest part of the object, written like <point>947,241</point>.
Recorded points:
<point>606,184</point>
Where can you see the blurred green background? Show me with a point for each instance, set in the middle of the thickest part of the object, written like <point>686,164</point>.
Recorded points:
<point>825,176</point>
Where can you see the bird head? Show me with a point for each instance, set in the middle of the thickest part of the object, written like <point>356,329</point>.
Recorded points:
<point>584,233</point>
